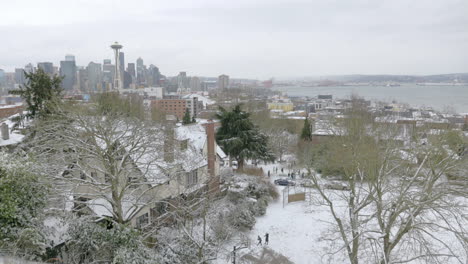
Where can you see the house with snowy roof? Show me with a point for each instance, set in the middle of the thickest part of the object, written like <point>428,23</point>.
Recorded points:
<point>187,165</point>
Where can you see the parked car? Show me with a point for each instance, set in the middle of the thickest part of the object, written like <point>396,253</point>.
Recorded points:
<point>337,186</point>
<point>284,182</point>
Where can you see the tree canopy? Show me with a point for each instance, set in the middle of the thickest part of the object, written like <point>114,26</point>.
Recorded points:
<point>22,203</point>
<point>306,133</point>
<point>41,92</point>
<point>239,137</point>
<point>186,119</point>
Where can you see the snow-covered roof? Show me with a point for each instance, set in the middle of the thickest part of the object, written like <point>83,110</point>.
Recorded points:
<point>101,207</point>
<point>205,100</point>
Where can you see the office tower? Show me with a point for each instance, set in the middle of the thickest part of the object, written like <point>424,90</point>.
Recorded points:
<point>118,84</point>
<point>141,78</point>
<point>94,76</point>
<point>195,83</point>
<point>69,57</point>
<point>153,76</point>
<point>108,73</point>
<point>20,78</point>
<point>29,68</point>
<point>182,81</point>
<point>131,70</point>
<point>223,82</point>
<point>68,73</point>
<point>127,80</point>
<point>2,78</point>
<point>82,80</point>
<point>47,67</point>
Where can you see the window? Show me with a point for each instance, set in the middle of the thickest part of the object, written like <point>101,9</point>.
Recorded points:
<point>82,176</point>
<point>142,220</point>
<point>93,174</point>
<point>192,178</point>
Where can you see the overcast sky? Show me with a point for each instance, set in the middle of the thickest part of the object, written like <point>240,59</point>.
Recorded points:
<point>243,38</point>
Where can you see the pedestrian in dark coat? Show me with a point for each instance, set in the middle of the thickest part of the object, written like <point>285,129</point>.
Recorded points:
<point>259,241</point>
<point>267,237</point>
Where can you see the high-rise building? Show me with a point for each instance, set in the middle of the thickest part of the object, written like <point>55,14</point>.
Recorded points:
<point>141,70</point>
<point>68,73</point>
<point>20,78</point>
<point>131,70</point>
<point>127,80</point>
<point>118,84</point>
<point>47,67</point>
<point>195,84</point>
<point>94,77</point>
<point>108,73</point>
<point>29,68</point>
<point>182,82</point>
<point>223,82</point>
<point>154,76</point>
<point>69,57</point>
<point>82,80</point>
<point>2,78</point>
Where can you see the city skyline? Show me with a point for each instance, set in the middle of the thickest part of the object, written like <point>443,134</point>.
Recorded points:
<point>249,39</point>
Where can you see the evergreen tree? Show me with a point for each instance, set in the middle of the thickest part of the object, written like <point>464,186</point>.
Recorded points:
<point>306,133</point>
<point>240,138</point>
<point>41,92</point>
<point>186,120</point>
<point>22,202</point>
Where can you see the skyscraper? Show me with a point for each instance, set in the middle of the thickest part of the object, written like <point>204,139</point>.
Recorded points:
<point>82,80</point>
<point>118,84</point>
<point>182,81</point>
<point>153,76</point>
<point>20,78</point>
<point>70,57</point>
<point>94,77</point>
<point>223,82</point>
<point>68,72</point>
<point>2,78</point>
<point>195,83</point>
<point>131,70</point>
<point>141,78</point>
<point>29,68</point>
<point>47,67</point>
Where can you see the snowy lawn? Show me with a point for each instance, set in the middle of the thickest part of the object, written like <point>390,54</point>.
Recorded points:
<point>293,230</point>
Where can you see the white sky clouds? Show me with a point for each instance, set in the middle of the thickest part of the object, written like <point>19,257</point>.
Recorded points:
<point>243,38</point>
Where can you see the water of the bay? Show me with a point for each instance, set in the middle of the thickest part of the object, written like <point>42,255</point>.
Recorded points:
<point>441,98</point>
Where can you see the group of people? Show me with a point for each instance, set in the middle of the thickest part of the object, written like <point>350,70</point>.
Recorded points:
<point>267,238</point>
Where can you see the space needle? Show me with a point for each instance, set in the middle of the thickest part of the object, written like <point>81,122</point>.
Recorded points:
<point>118,75</point>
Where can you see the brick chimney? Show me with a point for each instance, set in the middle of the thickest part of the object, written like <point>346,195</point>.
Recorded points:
<point>210,139</point>
<point>4,131</point>
<point>168,143</point>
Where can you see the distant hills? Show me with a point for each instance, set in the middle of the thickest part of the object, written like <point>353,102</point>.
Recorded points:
<point>439,78</point>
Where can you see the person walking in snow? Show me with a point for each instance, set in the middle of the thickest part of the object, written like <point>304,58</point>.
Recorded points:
<point>281,170</point>
<point>268,173</point>
<point>267,237</point>
<point>259,241</point>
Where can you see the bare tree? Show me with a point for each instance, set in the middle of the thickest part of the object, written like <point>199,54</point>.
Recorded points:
<point>112,163</point>
<point>396,205</point>
<point>281,141</point>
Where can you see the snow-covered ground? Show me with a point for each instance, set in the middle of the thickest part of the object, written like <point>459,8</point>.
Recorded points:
<point>294,229</point>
